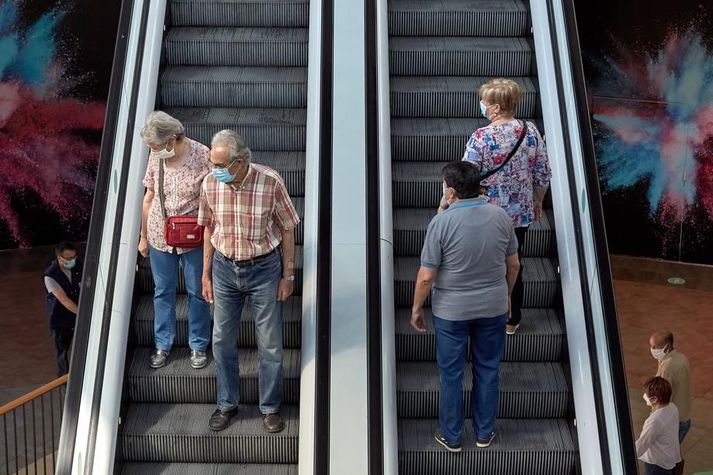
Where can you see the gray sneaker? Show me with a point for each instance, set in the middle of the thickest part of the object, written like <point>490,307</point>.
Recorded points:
<point>158,359</point>
<point>198,359</point>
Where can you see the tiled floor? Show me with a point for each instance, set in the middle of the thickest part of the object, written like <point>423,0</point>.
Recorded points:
<point>645,300</point>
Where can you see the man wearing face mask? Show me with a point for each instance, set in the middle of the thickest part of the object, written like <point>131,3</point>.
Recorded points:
<point>249,250</point>
<point>469,265</point>
<point>63,281</point>
<point>674,367</point>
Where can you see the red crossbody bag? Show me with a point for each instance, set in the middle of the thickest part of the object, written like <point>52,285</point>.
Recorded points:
<point>179,231</point>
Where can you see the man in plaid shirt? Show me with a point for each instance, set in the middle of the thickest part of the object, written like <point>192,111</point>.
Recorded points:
<point>249,249</point>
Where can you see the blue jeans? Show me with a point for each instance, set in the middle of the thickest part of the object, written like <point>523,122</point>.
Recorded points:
<point>683,428</point>
<point>487,343</point>
<point>164,267</point>
<point>651,469</point>
<point>231,285</point>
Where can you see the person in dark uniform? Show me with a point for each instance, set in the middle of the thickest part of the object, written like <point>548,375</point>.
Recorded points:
<point>63,281</point>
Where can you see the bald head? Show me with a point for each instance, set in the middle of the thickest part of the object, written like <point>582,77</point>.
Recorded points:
<point>660,339</point>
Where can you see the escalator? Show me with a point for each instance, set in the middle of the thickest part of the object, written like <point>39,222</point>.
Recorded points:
<point>439,55</point>
<point>240,66</point>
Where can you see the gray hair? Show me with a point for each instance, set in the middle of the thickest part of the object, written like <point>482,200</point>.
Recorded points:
<point>234,142</point>
<point>161,127</point>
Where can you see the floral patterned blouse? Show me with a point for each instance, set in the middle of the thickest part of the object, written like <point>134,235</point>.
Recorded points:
<point>182,188</point>
<point>512,187</point>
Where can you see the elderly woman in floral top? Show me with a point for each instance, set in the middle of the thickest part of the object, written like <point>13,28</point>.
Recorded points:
<point>185,164</point>
<point>520,185</point>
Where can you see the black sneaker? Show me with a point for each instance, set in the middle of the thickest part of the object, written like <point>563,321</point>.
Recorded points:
<point>483,443</point>
<point>158,359</point>
<point>221,419</point>
<point>455,447</point>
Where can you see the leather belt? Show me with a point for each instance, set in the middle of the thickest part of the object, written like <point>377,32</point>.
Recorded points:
<point>247,262</point>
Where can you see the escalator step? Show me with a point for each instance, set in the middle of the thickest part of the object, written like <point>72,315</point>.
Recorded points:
<point>219,46</point>
<point>539,276</point>
<point>438,96</point>
<point>178,382</point>
<point>457,18</point>
<point>180,433</point>
<point>263,129</point>
<point>263,13</point>
<point>540,337</point>
<point>527,390</point>
<point>207,469</point>
<point>291,166</point>
<point>410,232</point>
<point>459,56</point>
<point>198,86</point>
<point>145,284</point>
<point>532,446</point>
<point>144,323</point>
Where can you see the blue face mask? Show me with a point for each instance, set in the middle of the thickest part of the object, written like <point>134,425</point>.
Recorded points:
<point>223,175</point>
<point>69,264</point>
<point>484,110</point>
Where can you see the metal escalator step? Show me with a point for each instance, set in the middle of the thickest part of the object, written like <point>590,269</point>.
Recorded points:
<point>144,323</point>
<point>178,382</point>
<point>539,276</point>
<point>291,166</point>
<point>145,283</point>
<point>434,140</point>
<point>532,446</point>
<point>180,433</point>
<point>459,56</point>
<point>457,18</point>
<point>219,46</point>
<point>540,337</point>
<point>263,129</point>
<point>410,231</point>
<point>136,468</point>
<point>449,96</point>
<point>263,13</point>
<point>527,390</point>
<point>224,86</point>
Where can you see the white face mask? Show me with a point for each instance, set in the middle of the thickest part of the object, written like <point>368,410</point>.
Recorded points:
<point>659,353</point>
<point>163,154</point>
<point>648,401</point>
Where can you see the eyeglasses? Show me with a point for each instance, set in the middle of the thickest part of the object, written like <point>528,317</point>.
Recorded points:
<point>224,166</point>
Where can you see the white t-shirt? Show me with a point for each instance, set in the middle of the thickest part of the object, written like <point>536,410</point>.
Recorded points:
<point>52,284</point>
<point>658,443</point>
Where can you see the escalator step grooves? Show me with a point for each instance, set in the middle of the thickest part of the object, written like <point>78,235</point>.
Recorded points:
<point>135,468</point>
<point>284,13</point>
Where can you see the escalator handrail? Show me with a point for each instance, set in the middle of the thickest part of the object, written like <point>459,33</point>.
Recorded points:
<point>91,271</point>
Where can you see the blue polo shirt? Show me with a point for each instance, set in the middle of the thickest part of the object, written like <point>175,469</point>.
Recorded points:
<point>468,244</point>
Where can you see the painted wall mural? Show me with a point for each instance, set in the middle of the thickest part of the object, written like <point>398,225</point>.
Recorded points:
<point>52,104</point>
<point>650,75</point>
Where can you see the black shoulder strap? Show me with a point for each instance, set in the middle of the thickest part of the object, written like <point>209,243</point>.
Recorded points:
<point>510,155</point>
<point>161,196</point>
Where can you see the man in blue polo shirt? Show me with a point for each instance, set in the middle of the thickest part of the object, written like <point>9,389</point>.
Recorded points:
<point>469,263</point>
<point>63,281</point>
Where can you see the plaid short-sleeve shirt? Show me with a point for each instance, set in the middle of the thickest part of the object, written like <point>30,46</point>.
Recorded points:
<point>247,218</point>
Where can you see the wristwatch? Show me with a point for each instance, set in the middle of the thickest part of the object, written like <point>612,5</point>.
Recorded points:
<point>289,278</point>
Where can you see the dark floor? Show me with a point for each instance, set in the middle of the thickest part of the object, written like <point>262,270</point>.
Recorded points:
<point>646,302</point>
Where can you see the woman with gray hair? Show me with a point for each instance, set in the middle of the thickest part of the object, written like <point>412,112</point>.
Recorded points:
<point>176,168</point>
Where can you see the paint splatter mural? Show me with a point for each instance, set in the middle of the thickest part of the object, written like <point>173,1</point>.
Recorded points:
<point>653,122</point>
<point>48,138</point>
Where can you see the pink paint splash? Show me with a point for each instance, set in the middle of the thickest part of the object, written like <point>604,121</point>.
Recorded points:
<point>663,133</point>
<point>42,149</point>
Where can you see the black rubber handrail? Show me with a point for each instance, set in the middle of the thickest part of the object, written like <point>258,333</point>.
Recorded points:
<point>373,247</point>
<point>324,246</point>
<point>599,233</point>
<point>68,432</point>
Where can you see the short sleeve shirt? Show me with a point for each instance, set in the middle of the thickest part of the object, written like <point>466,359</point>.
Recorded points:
<point>51,285</point>
<point>511,188</point>
<point>182,187</point>
<point>468,244</point>
<point>248,217</point>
